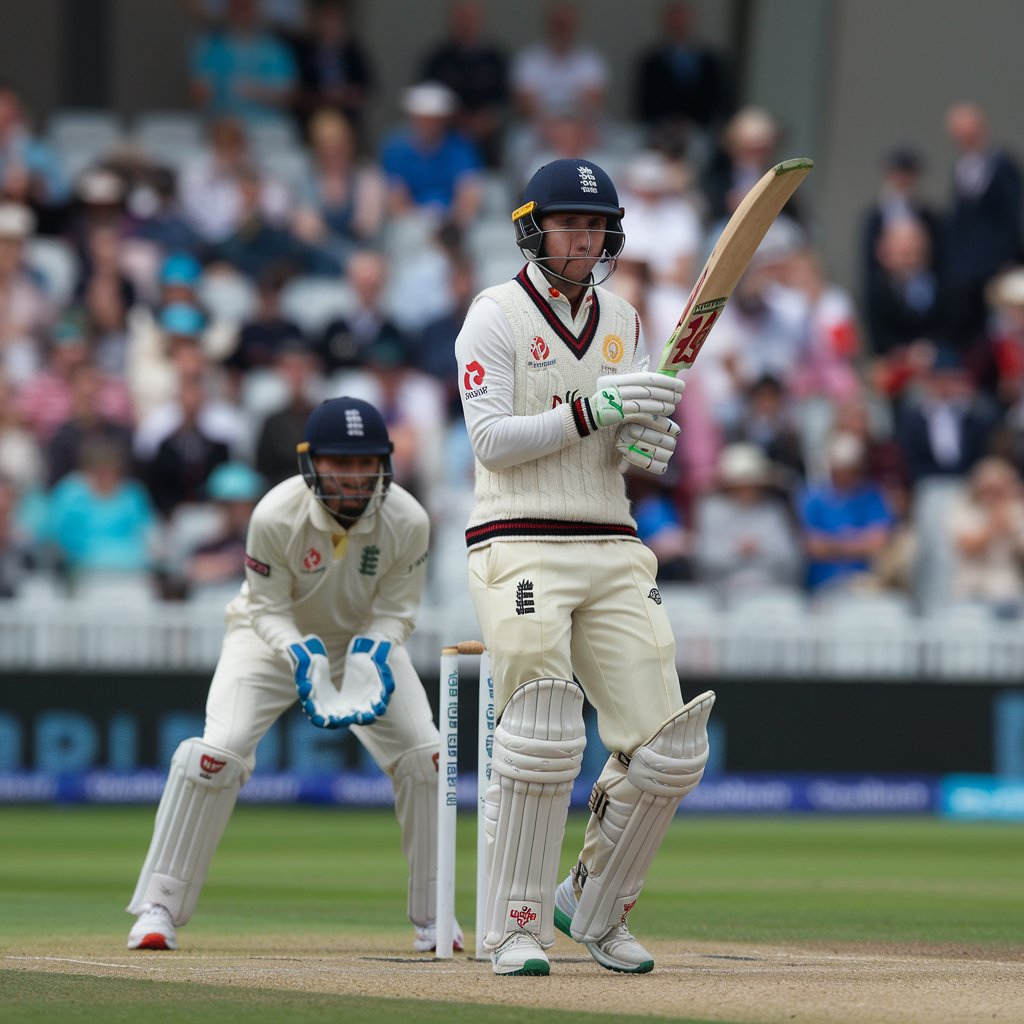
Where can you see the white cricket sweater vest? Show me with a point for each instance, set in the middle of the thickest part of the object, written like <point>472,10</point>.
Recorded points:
<point>577,492</point>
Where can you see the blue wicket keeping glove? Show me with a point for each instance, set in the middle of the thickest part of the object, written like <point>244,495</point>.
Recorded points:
<point>319,698</point>
<point>368,681</point>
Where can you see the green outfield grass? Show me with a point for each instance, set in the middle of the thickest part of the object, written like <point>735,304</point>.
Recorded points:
<point>307,871</point>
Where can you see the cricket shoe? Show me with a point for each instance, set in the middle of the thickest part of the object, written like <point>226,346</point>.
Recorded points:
<point>153,929</point>
<point>520,954</point>
<point>426,939</point>
<point>616,950</point>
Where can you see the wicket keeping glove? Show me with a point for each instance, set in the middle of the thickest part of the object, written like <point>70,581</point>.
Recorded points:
<point>626,397</point>
<point>368,682</point>
<point>327,706</point>
<point>648,444</point>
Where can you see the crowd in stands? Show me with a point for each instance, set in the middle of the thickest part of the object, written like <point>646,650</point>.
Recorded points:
<point>174,304</point>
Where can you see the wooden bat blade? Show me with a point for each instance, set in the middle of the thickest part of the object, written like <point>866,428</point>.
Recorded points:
<point>729,259</point>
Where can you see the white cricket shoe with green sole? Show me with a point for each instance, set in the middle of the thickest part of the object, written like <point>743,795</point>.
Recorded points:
<point>616,950</point>
<point>520,954</point>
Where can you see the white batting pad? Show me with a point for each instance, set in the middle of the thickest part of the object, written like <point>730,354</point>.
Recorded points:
<point>633,808</point>
<point>538,751</point>
<point>414,778</point>
<point>197,801</point>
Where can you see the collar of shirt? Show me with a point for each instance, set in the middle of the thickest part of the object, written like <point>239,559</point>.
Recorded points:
<point>558,302</point>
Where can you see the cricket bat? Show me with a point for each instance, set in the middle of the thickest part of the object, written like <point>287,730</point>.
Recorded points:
<point>729,258</point>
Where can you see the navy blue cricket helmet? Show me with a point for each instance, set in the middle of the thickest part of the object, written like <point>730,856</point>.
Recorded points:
<point>568,186</point>
<point>345,426</point>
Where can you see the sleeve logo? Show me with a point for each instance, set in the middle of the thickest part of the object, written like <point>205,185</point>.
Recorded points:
<point>259,567</point>
<point>472,380</point>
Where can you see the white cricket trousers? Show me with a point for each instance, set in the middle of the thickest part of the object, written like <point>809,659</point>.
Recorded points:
<point>586,608</point>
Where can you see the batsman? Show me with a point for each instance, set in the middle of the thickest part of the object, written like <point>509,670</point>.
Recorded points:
<point>336,560</point>
<point>558,402</point>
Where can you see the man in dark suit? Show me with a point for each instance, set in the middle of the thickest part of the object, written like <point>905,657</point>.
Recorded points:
<point>983,228</point>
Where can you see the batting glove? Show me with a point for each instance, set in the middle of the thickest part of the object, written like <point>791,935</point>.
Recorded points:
<point>622,398</point>
<point>648,444</point>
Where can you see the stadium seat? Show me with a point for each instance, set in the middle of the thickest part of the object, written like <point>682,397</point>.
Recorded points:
<point>312,302</point>
<point>171,137</point>
<point>82,136</point>
<point>229,297</point>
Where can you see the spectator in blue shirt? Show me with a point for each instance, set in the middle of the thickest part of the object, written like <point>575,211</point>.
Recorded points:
<point>429,166</point>
<point>100,519</point>
<point>845,520</point>
<point>242,70</point>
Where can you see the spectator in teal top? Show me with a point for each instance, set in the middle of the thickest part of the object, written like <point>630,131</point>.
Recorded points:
<point>99,518</point>
<point>242,70</point>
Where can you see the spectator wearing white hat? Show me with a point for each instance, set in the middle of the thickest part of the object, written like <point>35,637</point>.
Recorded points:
<point>429,166</point>
<point>745,536</point>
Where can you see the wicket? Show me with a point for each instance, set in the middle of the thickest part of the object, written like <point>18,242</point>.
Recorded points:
<point>447,790</point>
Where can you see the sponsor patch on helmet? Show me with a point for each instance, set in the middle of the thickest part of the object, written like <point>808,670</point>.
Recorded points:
<point>524,210</point>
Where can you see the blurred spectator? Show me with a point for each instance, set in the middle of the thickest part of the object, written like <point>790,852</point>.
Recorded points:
<point>745,537</point>
<point>983,232</point>
<point>434,347</point>
<point>158,215</point>
<point>844,521</point>
<point>15,546</point>
<point>413,407</point>
<point>947,426</point>
<point>343,201</point>
<point>240,68</point>
<point>100,519</point>
<point>430,167</point>
<point>47,399</point>
<point>768,421</point>
<point>282,430</point>
<point>30,172</point>
<point>665,234</point>
<point>346,340</point>
<point>99,201</point>
<point>26,310</point>
<point>660,524</point>
<point>986,523</point>
<point>906,308</point>
<point>683,88</point>
<point>22,459</point>
<point>219,561</point>
<point>1002,348</point>
<point>757,333</point>
<point>476,70</point>
<point>559,72</point>
<point>747,147</point>
<point>833,331</point>
<point>149,364</point>
<point>177,471</point>
<point>334,68</point>
<point>899,199</point>
<point>268,330</point>
<point>187,370</point>
<point>210,184</point>
<point>86,422</point>
<point>105,293</point>
<point>260,243</point>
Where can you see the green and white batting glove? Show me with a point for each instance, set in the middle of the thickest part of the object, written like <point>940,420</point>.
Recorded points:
<point>625,397</point>
<point>648,444</point>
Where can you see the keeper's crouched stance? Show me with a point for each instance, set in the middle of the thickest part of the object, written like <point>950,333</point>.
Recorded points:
<point>563,589</point>
<point>335,568</point>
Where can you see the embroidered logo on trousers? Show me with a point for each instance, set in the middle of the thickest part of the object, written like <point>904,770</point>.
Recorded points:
<point>524,598</point>
<point>655,595</point>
